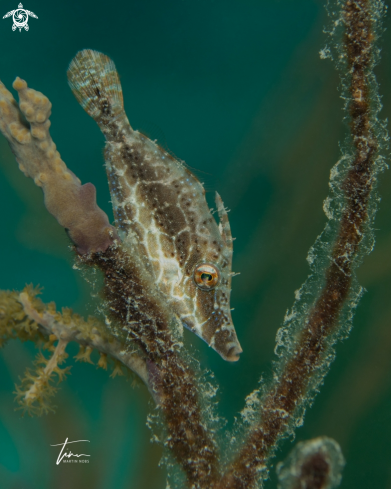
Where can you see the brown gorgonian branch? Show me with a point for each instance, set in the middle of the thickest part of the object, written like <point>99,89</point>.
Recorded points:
<point>305,343</point>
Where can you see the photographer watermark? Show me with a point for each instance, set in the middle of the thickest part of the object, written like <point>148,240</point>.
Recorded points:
<point>65,457</point>
<point>20,17</point>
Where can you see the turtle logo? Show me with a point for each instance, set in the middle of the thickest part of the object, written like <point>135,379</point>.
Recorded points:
<point>20,17</point>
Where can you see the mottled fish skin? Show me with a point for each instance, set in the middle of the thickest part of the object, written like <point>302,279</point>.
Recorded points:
<point>160,205</point>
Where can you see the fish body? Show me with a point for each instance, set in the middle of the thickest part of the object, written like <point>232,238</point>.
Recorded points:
<point>161,211</point>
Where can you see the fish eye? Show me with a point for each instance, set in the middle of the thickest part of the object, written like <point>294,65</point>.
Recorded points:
<point>206,276</point>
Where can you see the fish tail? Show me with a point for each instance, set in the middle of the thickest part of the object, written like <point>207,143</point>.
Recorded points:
<point>94,81</point>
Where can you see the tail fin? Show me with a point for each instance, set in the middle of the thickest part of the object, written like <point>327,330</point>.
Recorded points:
<point>94,81</point>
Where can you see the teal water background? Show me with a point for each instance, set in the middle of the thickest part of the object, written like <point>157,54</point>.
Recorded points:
<point>237,90</point>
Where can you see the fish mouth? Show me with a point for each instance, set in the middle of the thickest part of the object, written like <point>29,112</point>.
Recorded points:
<point>233,352</point>
<point>228,350</point>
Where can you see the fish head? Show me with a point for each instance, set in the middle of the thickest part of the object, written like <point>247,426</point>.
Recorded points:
<point>206,285</point>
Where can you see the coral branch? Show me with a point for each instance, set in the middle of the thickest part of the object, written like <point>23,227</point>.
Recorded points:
<point>91,334</point>
<point>136,307</point>
<point>309,350</point>
<point>72,204</point>
<point>157,360</point>
<point>24,316</point>
<point>36,390</point>
<point>51,366</point>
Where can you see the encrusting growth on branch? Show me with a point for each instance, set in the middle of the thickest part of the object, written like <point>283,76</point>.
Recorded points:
<point>129,295</point>
<point>24,316</point>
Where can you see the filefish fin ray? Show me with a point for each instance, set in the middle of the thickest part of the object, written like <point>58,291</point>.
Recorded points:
<point>224,226</point>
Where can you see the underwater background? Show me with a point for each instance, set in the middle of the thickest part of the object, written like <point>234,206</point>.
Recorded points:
<point>238,91</point>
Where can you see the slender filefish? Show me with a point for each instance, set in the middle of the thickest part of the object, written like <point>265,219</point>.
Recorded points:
<point>159,202</point>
